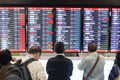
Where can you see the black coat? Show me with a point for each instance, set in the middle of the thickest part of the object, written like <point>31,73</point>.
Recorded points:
<point>59,68</point>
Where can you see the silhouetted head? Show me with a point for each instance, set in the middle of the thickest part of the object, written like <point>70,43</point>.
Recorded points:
<point>59,48</point>
<point>5,57</point>
<point>92,47</point>
<point>35,51</point>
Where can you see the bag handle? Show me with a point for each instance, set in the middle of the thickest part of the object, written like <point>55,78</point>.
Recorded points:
<point>89,73</point>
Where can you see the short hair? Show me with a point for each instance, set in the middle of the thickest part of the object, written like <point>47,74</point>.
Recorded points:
<point>92,47</point>
<point>5,57</point>
<point>34,50</point>
<point>59,47</point>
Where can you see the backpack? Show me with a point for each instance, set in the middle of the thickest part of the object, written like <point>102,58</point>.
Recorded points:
<point>19,71</point>
<point>118,77</point>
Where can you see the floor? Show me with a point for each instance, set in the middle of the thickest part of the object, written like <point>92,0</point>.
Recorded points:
<point>77,75</point>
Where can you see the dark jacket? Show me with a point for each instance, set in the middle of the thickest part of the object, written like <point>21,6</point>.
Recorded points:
<point>114,72</point>
<point>3,70</point>
<point>59,68</point>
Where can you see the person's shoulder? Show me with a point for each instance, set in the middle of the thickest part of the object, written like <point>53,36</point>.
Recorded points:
<point>114,67</point>
<point>36,66</point>
<point>68,59</point>
<point>51,59</point>
<point>36,63</point>
<point>101,56</point>
<point>88,57</point>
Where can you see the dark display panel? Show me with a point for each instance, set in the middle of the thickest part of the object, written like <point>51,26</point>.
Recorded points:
<point>40,28</point>
<point>68,28</point>
<point>65,3</point>
<point>96,25</point>
<point>12,28</point>
<point>115,30</point>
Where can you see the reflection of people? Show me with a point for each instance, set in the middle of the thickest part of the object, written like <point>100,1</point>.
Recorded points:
<point>88,62</point>
<point>5,58</point>
<point>59,67</point>
<point>35,68</point>
<point>114,71</point>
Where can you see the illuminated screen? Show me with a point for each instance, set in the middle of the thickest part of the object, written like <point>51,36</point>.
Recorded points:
<point>12,28</point>
<point>68,28</point>
<point>115,30</point>
<point>95,29</point>
<point>40,28</point>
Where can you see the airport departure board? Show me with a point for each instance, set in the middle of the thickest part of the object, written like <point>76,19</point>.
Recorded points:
<point>68,28</point>
<point>95,29</point>
<point>12,28</point>
<point>115,30</point>
<point>40,28</point>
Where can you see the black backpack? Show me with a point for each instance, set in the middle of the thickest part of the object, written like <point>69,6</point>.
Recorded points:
<point>19,71</point>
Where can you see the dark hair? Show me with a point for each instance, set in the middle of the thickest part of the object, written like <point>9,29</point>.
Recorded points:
<point>59,47</point>
<point>92,47</point>
<point>34,50</point>
<point>5,57</point>
<point>117,59</point>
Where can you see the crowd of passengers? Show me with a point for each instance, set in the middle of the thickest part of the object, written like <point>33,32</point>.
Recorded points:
<point>60,67</point>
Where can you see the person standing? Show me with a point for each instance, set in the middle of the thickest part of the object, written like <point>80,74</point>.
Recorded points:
<point>5,58</point>
<point>59,67</point>
<point>35,68</point>
<point>115,71</point>
<point>87,64</point>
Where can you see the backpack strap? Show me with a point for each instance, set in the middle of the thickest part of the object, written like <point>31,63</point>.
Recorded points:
<point>26,63</point>
<point>29,61</point>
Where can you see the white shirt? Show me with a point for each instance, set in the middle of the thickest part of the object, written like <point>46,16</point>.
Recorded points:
<point>36,69</point>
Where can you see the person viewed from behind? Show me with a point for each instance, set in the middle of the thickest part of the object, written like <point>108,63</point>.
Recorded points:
<point>5,58</point>
<point>35,68</point>
<point>92,59</point>
<point>59,67</point>
<point>115,71</point>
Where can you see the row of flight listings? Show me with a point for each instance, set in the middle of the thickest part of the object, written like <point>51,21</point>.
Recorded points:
<point>41,20</point>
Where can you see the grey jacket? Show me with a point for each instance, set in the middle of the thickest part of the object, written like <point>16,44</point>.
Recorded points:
<point>88,62</point>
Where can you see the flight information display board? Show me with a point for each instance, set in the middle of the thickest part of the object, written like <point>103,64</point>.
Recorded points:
<point>40,28</point>
<point>12,28</point>
<point>96,25</point>
<point>68,28</point>
<point>115,30</point>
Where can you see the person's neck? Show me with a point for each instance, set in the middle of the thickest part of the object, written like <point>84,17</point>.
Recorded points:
<point>31,55</point>
<point>36,56</point>
<point>61,54</point>
<point>92,52</point>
